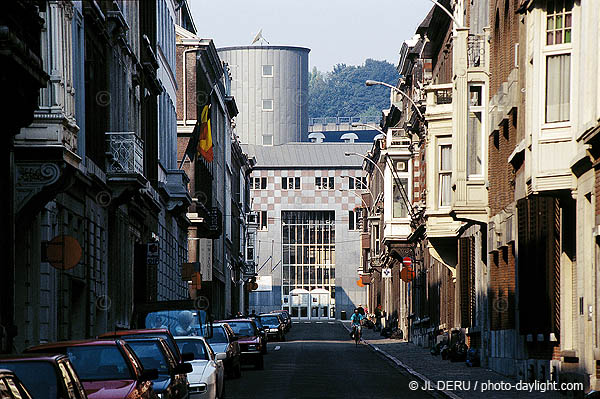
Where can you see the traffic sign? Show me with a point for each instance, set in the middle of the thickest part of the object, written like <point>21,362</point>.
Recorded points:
<point>407,262</point>
<point>386,272</point>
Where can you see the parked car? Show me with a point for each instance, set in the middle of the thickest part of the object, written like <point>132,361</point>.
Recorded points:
<point>151,333</point>
<point>46,376</point>
<point>154,353</point>
<point>250,340</point>
<point>207,378</point>
<point>262,331</point>
<point>286,318</point>
<point>11,387</point>
<point>108,369</point>
<point>274,325</point>
<point>224,341</point>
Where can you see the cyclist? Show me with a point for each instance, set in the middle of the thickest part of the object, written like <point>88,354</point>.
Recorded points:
<point>356,322</point>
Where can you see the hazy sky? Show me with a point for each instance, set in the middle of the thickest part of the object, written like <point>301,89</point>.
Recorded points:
<point>336,31</point>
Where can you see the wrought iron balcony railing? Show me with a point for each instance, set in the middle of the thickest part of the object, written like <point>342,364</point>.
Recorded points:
<point>476,50</point>
<point>124,153</point>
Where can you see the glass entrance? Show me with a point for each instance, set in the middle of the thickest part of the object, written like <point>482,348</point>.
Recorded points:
<point>300,303</point>
<point>319,303</point>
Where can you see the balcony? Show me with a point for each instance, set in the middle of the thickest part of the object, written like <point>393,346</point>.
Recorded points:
<point>476,51</point>
<point>125,153</point>
<point>175,189</point>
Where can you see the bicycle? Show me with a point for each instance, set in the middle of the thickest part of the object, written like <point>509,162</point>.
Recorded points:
<point>356,333</point>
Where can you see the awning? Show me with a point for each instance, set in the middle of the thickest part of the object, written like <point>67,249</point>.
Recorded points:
<point>444,255</point>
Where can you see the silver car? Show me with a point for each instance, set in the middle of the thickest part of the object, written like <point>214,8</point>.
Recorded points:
<point>225,341</point>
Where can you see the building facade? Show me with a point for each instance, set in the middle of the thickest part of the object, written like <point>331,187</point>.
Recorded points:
<point>307,252</point>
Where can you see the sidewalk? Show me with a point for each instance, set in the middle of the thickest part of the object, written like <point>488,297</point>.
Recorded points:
<point>432,370</point>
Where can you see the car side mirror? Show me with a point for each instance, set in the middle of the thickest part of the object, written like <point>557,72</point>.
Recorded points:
<point>221,356</point>
<point>187,356</point>
<point>149,375</point>
<point>183,368</point>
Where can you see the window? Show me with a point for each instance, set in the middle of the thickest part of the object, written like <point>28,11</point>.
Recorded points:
<point>267,105</point>
<point>558,21</point>
<point>290,183</point>
<point>267,139</point>
<point>445,174</point>
<point>376,241</point>
<point>262,220</point>
<point>354,220</point>
<point>558,87</point>
<point>357,183</point>
<point>475,131</point>
<point>400,193</point>
<point>324,183</point>
<point>267,71</point>
<point>258,183</point>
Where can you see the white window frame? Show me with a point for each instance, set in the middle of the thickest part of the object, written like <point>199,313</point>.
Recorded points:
<point>265,75</point>
<point>444,172</point>
<point>267,109</point>
<point>481,109</point>
<point>257,181</point>
<point>353,216</point>
<point>263,221</point>
<point>549,50</point>
<point>319,182</point>
<point>285,183</point>
<point>376,239</point>
<point>263,140</point>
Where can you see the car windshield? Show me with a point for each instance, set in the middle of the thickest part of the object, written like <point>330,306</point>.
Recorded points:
<point>219,336</point>
<point>270,320</point>
<point>194,346</point>
<point>38,376</point>
<point>99,362</point>
<point>243,328</point>
<point>151,356</point>
<point>164,336</point>
<point>258,322</point>
<point>179,322</point>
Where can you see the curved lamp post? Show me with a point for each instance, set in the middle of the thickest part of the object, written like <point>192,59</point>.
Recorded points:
<point>367,159</point>
<point>377,83</point>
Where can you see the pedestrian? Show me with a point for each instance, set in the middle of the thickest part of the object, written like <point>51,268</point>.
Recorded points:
<point>253,313</point>
<point>378,315</point>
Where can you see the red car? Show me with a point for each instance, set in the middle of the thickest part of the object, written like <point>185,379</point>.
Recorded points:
<point>108,369</point>
<point>45,376</point>
<point>250,341</point>
<point>11,387</point>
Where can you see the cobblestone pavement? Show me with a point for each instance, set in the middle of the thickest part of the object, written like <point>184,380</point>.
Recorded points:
<point>433,371</point>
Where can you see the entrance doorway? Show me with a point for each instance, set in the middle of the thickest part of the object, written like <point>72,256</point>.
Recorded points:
<point>300,300</point>
<point>319,303</point>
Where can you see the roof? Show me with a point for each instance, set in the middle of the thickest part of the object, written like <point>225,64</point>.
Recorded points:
<point>30,357</point>
<point>45,348</point>
<point>308,155</point>
<point>232,320</point>
<point>122,333</point>
<point>293,48</point>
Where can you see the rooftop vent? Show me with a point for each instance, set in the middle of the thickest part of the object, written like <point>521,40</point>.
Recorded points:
<point>349,137</point>
<point>316,137</point>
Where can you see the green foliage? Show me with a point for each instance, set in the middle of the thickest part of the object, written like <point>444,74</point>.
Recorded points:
<point>342,92</point>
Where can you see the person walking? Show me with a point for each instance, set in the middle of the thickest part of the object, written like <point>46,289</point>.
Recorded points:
<point>378,316</point>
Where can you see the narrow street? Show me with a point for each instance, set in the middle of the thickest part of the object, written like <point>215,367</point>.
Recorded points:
<point>318,360</point>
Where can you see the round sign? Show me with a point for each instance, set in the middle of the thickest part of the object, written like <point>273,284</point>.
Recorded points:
<point>407,274</point>
<point>407,261</point>
<point>63,252</point>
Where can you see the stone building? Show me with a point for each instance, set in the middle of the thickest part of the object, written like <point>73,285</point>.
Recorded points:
<point>98,197</point>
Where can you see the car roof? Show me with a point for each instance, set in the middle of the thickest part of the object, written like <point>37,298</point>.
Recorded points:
<point>6,372</point>
<point>63,344</point>
<point>233,320</point>
<point>30,357</point>
<point>121,333</point>
<point>182,337</point>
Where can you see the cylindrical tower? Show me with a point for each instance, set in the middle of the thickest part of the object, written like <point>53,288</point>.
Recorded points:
<point>270,86</point>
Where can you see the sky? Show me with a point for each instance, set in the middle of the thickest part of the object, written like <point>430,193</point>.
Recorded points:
<point>336,31</point>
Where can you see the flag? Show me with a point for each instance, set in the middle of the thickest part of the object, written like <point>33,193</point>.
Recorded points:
<point>191,149</point>
<point>205,145</point>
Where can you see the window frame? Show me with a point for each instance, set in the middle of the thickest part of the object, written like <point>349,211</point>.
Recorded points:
<point>267,75</point>
<point>550,50</point>
<point>481,108</point>
<point>443,172</point>
<point>263,221</point>
<point>330,182</point>
<point>285,182</point>
<point>263,140</point>
<point>272,105</point>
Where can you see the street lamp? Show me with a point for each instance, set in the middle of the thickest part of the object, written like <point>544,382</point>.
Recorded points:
<point>367,159</point>
<point>359,196</point>
<point>447,12</point>
<point>376,83</point>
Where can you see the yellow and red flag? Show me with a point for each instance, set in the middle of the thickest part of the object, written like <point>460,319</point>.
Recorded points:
<point>205,144</point>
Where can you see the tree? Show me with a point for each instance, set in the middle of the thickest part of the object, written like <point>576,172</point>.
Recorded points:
<point>342,92</point>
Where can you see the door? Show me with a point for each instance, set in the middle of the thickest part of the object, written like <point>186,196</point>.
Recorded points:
<point>319,303</point>
<point>300,301</point>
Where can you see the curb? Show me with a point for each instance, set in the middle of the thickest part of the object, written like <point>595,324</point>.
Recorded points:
<point>408,369</point>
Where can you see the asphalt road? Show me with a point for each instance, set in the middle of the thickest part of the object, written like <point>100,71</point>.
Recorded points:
<point>320,361</point>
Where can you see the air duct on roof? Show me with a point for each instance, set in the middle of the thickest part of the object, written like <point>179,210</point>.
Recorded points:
<point>349,137</point>
<point>316,137</point>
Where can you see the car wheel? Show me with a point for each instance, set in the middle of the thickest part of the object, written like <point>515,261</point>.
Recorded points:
<point>260,363</point>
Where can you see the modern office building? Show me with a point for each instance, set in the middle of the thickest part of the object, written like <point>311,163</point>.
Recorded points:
<point>270,84</point>
<point>305,196</point>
